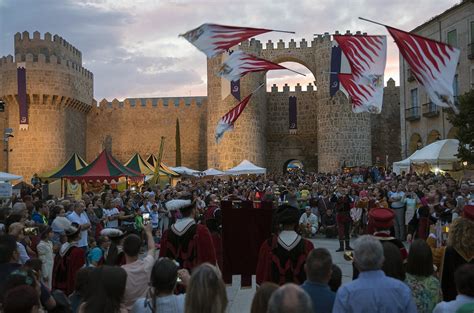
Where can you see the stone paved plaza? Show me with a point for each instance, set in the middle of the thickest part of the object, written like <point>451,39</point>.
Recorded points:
<point>241,299</point>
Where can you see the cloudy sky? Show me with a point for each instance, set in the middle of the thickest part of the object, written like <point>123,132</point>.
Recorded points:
<point>133,49</point>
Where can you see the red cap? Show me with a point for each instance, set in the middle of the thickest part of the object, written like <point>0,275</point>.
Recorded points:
<point>468,212</point>
<point>381,218</point>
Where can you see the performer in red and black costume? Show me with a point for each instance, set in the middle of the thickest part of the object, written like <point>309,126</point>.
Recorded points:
<point>343,202</point>
<point>380,221</point>
<point>459,251</point>
<point>282,257</point>
<point>188,243</point>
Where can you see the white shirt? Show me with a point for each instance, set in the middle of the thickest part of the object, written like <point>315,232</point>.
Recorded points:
<point>23,254</point>
<point>81,220</point>
<point>452,306</point>
<point>398,203</point>
<point>109,213</point>
<point>311,219</point>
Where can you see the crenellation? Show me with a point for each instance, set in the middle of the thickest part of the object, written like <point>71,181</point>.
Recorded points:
<point>269,45</point>
<point>41,58</point>
<point>281,44</point>
<point>358,33</point>
<point>25,36</point>
<point>245,44</point>
<point>286,88</point>
<point>298,87</point>
<point>292,43</point>
<point>17,37</point>
<point>47,37</point>
<point>303,43</point>
<point>36,35</point>
<point>274,88</point>
<point>336,32</point>
<point>348,33</point>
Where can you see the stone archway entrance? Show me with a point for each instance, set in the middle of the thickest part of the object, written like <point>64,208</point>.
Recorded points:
<point>293,165</point>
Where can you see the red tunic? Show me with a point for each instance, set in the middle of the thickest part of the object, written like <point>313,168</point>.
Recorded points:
<point>282,264</point>
<point>190,247</point>
<point>65,269</point>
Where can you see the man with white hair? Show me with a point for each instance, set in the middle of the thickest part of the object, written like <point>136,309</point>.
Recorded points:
<point>373,291</point>
<point>290,298</point>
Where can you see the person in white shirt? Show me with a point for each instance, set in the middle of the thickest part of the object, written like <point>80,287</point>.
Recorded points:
<point>79,216</point>
<point>111,214</point>
<point>308,223</point>
<point>396,198</point>
<point>16,230</point>
<point>464,279</point>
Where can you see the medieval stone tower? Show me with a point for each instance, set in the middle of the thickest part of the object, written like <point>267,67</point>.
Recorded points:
<point>59,95</point>
<point>330,135</point>
<point>64,118</point>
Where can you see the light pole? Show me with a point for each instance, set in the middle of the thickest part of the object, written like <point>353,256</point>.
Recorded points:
<point>7,134</point>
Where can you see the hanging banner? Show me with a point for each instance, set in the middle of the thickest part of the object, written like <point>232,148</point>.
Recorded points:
<point>21,77</point>
<point>292,115</point>
<point>335,69</point>
<point>235,89</point>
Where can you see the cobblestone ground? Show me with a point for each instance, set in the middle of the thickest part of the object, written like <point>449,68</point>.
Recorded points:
<point>241,299</point>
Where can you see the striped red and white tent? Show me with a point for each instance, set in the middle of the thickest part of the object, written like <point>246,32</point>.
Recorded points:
<point>367,56</point>
<point>433,64</point>
<point>213,39</point>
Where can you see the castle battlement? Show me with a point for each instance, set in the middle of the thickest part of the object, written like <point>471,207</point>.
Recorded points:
<point>292,44</point>
<point>297,89</point>
<point>48,45</point>
<point>40,60</point>
<point>165,102</point>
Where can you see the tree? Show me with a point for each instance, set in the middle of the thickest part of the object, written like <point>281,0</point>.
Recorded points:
<point>178,144</point>
<point>464,121</point>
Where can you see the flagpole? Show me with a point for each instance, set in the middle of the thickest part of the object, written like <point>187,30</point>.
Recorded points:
<point>295,71</point>
<point>258,88</point>
<point>374,22</point>
<point>283,31</point>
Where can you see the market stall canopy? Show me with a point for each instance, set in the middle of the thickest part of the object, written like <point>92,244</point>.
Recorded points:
<point>71,166</point>
<point>138,164</point>
<point>439,152</point>
<point>8,177</point>
<point>246,167</point>
<point>152,160</point>
<point>183,170</point>
<point>403,165</point>
<point>212,172</point>
<point>105,167</point>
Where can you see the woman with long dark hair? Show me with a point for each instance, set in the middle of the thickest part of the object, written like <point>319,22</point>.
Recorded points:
<point>107,294</point>
<point>160,297</point>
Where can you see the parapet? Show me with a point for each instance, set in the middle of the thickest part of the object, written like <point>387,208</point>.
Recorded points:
<point>171,102</point>
<point>297,88</point>
<point>48,45</point>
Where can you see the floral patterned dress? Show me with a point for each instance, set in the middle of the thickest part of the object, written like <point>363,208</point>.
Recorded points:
<point>426,291</point>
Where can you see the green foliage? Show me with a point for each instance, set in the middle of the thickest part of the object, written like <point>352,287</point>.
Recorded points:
<point>464,121</point>
<point>178,144</point>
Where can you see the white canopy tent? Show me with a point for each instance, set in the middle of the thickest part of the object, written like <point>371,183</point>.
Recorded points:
<point>212,172</point>
<point>246,167</point>
<point>440,153</point>
<point>183,170</point>
<point>8,177</point>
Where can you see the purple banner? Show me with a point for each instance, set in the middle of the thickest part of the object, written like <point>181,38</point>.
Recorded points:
<point>293,115</point>
<point>235,89</point>
<point>21,76</point>
<point>335,69</point>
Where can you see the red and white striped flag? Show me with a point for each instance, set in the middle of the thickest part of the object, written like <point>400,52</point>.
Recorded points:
<point>240,63</point>
<point>227,121</point>
<point>213,39</point>
<point>433,64</point>
<point>364,97</point>
<point>367,56</point>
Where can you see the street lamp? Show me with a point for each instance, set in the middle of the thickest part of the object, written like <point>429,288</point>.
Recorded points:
<point>7,134</point>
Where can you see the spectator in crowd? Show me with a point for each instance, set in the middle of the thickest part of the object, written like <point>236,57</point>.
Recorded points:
<point>318,273</point>
<point>425,288</point>
<point>79,216</point>
<point>80,288</point>
<point>396,198</point>
<point>138,270</point>
<point>290,298</point>
<point>206,291</point>
<point>21,299</point>
<point>95,256</point>
<point>68,261</point>
<point>41,213</point>
<point>111,214</point>
<point>308,223</point>
<point>262,296</point>
<point>328,223</point>
<point>60,224</point>
<point>9,257</point>
<point>114,254</point>
<point>107,296</point>
<point>160,297</point>
<point>16,230</point>
<point>46,254</point>
<point>393,264</point>
<point>464,279</point>
<point>372,290</point>
<point>336,278</point>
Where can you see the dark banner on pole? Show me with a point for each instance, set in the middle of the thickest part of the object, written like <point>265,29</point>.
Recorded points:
<point>235,89</point>
<point>21,77</point>
<point>335,69</point>
<point>293,115</point>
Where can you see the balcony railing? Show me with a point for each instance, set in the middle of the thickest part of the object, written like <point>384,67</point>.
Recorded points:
<point>412,114</point>
<point>470,51</point>
<point>432,110</point>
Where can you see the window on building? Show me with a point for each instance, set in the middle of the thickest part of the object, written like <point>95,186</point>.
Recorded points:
<point>452,38</point>
<point>455,89</point>
<point>414,102</point>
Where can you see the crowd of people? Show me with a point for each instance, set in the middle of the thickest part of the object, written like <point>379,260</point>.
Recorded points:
<point>159,249</point>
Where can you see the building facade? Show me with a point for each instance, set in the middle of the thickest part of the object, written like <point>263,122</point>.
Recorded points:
<point>421,121</point>
<point>64,118</point>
